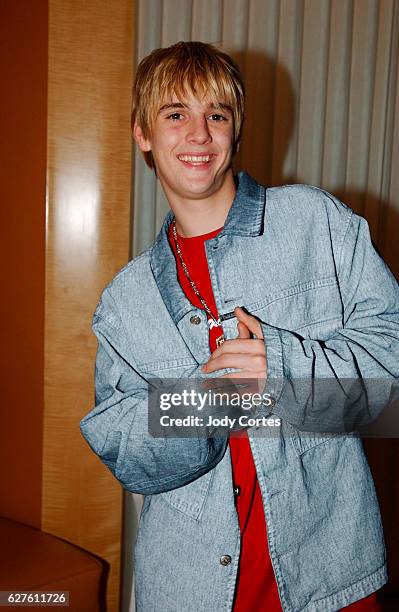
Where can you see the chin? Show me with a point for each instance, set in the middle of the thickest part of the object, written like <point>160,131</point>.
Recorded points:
<point>198,191</point>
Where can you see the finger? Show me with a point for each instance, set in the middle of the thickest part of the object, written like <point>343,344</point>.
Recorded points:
<point>242,374</point>
<point>251,323</point>
<point>246,346</point>
<point>250,362</point>
<point>240,345</point>
<point>243,331</point>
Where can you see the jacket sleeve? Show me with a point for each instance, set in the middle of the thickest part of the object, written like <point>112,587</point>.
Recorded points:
<point>117,427</point>
<point>356,368</point>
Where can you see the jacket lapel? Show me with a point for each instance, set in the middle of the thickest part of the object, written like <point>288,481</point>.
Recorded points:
<point>163,265</point>
<point>245,218</point>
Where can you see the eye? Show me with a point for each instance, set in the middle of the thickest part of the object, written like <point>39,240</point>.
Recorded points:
<point>175,116</point>
<point>217,117</point>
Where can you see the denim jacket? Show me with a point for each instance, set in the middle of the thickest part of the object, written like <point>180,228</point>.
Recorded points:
<point>303,264</point>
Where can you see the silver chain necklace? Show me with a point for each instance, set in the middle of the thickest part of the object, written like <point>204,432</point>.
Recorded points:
<point>213,322</point>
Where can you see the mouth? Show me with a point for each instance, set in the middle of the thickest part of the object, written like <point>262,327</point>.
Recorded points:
<point>194,160</point>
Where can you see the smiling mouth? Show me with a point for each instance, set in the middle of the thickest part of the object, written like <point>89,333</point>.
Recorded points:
<point>196,160</point>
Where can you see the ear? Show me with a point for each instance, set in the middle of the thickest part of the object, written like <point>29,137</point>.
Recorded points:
<point>143,143</point>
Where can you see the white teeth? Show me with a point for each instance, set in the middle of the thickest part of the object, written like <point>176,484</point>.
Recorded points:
<point>195,159</point>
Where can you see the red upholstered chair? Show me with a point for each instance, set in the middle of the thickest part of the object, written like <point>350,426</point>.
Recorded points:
<point>36,561</point>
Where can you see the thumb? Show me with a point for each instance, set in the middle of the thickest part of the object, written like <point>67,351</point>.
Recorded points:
<point>243,331</point>
<point>249,321</point>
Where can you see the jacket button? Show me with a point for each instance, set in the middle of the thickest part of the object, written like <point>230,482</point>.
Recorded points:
<point>225,560</point>
<point>195,320</point>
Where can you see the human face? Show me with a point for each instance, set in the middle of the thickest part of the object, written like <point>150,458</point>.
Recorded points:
<point>192,144</point>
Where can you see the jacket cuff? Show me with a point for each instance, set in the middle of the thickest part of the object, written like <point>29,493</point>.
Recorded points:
<point>274,361</point>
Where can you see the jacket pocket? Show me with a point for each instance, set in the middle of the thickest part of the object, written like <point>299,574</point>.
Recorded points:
<point>312,309</point>
<point>303,441</point>
<point>172,368</point>
<point>191,498</point>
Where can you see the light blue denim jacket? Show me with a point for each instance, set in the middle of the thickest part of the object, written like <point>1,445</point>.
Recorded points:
<point>303,263</point>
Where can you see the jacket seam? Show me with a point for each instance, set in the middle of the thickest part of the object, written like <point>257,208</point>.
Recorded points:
<point>296,290</point>
<point>348,224</point>
<point>164,480</point>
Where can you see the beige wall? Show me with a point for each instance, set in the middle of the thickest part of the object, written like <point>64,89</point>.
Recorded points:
<point>88,210</point>
<point>65,111</point>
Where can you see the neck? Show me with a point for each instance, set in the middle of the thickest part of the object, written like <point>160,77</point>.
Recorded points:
<point>197,217</point>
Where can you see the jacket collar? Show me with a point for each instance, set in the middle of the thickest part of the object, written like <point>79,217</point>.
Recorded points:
<point>245,218</point>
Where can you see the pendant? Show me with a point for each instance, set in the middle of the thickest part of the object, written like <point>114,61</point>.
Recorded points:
<point>212,323</point>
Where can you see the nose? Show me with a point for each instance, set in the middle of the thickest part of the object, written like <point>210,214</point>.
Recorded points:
<point>199,131</point>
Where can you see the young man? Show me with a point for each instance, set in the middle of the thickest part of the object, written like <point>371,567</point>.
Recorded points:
<point>277,284</point>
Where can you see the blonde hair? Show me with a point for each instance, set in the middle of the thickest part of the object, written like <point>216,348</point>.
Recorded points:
<point>186,66</point>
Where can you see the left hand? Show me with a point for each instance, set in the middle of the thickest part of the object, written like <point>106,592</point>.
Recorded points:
<point>246,354</point>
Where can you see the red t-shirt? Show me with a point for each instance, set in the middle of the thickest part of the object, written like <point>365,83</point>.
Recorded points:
<point>256,587</point>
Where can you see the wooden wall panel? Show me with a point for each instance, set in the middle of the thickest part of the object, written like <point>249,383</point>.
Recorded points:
<point>23,117</point>
<point>89,179</point>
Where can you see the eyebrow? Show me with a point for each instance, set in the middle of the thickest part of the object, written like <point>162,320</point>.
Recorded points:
<point>172,105</point>
<point>177,105</point>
